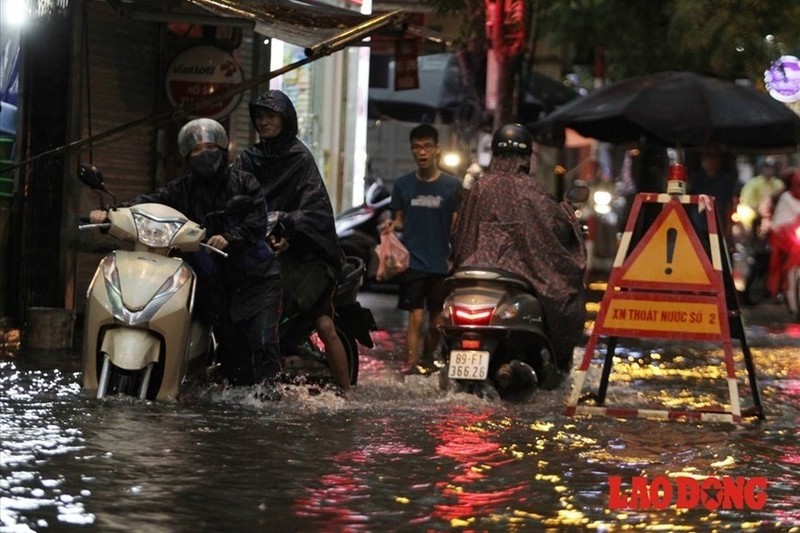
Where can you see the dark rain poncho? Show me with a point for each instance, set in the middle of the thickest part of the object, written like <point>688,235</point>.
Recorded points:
<point>291,182</point>
<point>509,220</point>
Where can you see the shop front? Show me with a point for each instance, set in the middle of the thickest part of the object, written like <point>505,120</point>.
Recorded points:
<point>114,83</point>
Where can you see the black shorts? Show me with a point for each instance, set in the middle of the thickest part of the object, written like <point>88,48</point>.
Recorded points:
<point>421,290</point>
<point>308,288</point>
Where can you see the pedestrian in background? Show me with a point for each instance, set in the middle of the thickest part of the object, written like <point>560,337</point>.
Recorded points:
<point>713,179</point>
<point>424,205</point>
<point>785,241</point>
<point>757,195</point>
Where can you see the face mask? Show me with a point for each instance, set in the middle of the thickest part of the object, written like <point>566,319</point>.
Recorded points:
<point>206,165</point>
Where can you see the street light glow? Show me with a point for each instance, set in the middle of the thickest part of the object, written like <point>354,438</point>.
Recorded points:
<point>15,12</point>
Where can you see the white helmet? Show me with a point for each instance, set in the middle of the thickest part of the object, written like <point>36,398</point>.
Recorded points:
<point>201,130</point>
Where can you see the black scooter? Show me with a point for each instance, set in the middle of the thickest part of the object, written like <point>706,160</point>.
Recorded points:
<point>303,353</point>
<point>358,227</point>
<point>494,340</point>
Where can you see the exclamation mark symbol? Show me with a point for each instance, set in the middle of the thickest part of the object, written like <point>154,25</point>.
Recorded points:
<point>672,236</point>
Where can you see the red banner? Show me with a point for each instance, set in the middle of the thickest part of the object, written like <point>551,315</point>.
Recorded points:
<point>406,75</point>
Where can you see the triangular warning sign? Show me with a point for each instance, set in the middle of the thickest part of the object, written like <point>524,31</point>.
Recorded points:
<point>668,256</point>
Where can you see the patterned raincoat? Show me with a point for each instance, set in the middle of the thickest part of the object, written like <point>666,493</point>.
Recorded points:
<point>509,220</point>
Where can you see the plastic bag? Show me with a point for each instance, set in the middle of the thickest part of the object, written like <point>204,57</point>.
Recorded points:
<point>393,257</point>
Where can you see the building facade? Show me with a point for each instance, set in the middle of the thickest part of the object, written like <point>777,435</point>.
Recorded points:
<point>109,83</point>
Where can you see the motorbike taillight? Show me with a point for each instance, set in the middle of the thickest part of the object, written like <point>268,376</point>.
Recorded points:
<point>465,316</point>
<point>471,344</point>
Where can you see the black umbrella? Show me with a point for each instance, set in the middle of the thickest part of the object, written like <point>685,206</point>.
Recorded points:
<point>676,109</point>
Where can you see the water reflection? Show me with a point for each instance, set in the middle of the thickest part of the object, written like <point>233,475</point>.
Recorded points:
<point>37,426</point>
<point>470,440</point>
<point>402,456</point>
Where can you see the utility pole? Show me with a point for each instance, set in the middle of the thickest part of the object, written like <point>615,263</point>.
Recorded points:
<point>506,32</point>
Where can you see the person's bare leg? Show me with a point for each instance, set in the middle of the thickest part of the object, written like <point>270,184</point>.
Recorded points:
<point>414,336</point>
<point>791,291</point>
<point>433,337</point>
<point>334,351</point>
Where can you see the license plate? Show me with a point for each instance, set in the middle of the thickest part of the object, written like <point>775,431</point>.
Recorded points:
<point>468,364</point>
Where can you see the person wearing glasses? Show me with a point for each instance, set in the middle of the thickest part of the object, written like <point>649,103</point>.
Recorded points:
<point>424,206</point>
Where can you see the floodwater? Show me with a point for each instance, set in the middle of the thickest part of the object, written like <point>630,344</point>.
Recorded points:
<point>402,455</point>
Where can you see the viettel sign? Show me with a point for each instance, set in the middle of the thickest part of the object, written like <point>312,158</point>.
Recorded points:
<point>783,79</point>
<point>202,71</point>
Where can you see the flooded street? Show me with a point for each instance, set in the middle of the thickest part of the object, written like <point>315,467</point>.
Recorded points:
<point>402,455</point>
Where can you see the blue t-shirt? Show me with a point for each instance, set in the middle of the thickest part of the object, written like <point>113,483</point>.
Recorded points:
<point>428,209</point>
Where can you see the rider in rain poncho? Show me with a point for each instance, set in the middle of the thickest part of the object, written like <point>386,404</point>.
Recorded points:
<point>509,220</point>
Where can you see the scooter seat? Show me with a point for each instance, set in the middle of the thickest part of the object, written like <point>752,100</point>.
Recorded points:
<point>483,273</point>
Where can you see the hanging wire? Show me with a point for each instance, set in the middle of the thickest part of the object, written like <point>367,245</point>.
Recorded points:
<point>87,79</point>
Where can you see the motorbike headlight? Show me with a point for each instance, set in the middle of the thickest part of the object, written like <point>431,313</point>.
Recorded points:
<point>744,214</point>
<point>155,233</point>
<point>602,202</point>
<point>451,159</point>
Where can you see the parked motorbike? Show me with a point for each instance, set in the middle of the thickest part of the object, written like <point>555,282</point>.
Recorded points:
<point>603,218</point>
<point>494,340</point>
<point>358,227</point>
<point>303,352</point>
<point>140,338</point>
<point>750,252</point>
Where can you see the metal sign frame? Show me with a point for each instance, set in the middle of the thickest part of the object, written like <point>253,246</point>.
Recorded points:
<point>698,303</point>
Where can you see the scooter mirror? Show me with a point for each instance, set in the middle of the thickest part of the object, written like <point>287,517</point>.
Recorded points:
<point>577,194</point>
<point>91,176</point>
<point>275,224</point>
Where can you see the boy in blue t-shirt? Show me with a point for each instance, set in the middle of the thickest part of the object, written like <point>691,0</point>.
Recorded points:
<point>424,203</point>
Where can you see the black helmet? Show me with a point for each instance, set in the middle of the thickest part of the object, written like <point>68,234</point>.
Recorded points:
<point>201,130</point>
<point>512,139</point>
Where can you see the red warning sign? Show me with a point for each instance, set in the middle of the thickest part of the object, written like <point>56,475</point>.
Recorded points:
<point>669,256</point>
<point>667,285</point>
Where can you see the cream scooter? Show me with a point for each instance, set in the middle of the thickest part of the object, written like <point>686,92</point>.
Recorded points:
<point>140,338</point>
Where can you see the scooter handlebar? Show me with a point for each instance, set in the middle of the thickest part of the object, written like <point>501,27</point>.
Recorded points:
<point>215,250</point>
<point>104,225</point>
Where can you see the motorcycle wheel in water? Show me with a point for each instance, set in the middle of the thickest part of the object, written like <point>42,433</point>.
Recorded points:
<point>493,336</point>
<point>140,338</point>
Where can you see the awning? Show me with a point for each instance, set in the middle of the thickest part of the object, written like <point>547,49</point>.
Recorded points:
<point>299,22</point>
<point>317,49</point>
<point>303,23</point>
